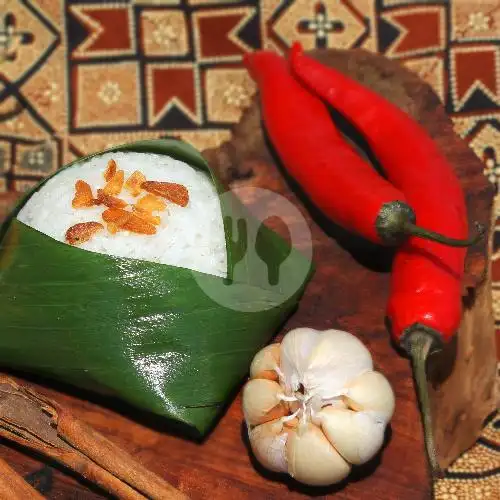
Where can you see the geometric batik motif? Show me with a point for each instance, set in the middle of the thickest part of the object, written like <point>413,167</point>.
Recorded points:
<point>78,76</point>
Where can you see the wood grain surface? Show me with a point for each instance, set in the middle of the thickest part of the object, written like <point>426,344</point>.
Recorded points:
<point>348,291</point>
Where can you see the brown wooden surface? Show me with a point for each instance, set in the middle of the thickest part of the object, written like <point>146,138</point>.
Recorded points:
<point>348,291</point>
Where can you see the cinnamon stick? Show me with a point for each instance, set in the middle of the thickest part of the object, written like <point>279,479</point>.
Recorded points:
<point>13,486</point>
<point>84,467</point>
<point>41,424</point>
<point>117,461</point>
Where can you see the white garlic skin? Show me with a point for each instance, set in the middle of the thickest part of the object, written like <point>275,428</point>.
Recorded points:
<point>357,436</point>
<point>261,402</point>
<point>337,357</point>
<point>371,391</point>
<point>268,442</point>
<point>265,362</point>
<point>315,407</point>
<point>295,351</point>
<point>322,361</point>
<point>313,460</point>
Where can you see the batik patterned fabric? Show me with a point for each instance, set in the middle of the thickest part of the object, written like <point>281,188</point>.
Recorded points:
<point>79,76</point>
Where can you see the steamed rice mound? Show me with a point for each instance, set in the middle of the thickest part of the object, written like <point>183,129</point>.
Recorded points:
<point>191,237</point>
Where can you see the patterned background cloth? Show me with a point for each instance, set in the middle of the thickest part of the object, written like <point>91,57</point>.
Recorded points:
<point>79,76</point>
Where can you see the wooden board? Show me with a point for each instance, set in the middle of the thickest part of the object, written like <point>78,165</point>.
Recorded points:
<point>348,291</point>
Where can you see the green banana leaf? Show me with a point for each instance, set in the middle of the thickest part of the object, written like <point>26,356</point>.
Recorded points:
<point>153,335</point>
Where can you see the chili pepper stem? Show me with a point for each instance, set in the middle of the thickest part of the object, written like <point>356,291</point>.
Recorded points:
<point>419,345</point>
<point>396,221</point>
<point>413,230</point>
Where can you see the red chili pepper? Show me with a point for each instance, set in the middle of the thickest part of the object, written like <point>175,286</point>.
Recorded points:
<point>426,285</point>
<point>332,174</point>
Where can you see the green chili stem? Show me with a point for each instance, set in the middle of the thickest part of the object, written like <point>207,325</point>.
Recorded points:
<point>413,230</point>
<point>419,345</point>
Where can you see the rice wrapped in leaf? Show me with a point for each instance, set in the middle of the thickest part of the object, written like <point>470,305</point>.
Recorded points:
<point>111,273</point>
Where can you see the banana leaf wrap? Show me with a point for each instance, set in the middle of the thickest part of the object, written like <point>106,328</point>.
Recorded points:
<point>144,332</point>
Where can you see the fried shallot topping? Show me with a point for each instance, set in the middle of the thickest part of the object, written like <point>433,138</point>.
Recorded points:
<point>133,184</point>
<point>119,219</point>
<point>138,225</point>
<point>110,170</point>
<point>82,232</point>
<point>147,216</point>
<point>151,203</point>
<point>115,214</point>
<point>108,200</point>
<point>176,193</point>
<point>118,216</point>
<point>115,184</point>
<point>83,195</point>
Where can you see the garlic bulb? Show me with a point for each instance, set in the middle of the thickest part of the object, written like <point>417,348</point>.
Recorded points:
<point>315,407</point>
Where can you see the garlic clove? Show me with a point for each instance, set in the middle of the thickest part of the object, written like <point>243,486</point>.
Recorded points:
<point>357,436</point>
<point>265,362</point>
<point>337,403</point>
<point>312,459</point>
<point>268,442</point>
<point>261,402</point>
<point>337,358</point>
<point>371,391</point>
<point>296,348</point>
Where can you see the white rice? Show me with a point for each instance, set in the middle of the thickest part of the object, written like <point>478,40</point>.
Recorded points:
<point>191,237</point>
